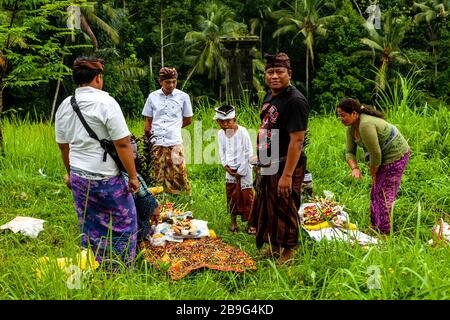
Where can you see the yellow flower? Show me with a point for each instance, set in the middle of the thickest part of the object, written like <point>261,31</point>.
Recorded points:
<point>212,233</point>
<point>155,190</point>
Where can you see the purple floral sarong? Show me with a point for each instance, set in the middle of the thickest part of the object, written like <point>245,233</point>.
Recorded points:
<point>384,192</point>
<point>106,212</point>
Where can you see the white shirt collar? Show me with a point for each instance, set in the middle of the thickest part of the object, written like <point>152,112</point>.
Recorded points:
<point>89,89</point>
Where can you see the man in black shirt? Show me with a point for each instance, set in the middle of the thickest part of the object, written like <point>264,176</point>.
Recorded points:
<point>284,119</point>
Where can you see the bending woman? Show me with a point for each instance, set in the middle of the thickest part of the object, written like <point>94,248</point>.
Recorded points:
<point>386,151</point>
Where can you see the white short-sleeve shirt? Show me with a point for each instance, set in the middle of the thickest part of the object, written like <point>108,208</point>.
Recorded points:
<point>104,116</point>
<point>167,113</point>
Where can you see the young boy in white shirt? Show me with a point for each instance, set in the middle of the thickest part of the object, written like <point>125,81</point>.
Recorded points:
<point>235,150</point>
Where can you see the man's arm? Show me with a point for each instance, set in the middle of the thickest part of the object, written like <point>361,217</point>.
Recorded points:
<point>64,148</point>
<point>293,155</point>
<point>148,126</point>
<point>369,137</point>
<point>187,111</point>
<point>186,121</point>
<point>125,152</point>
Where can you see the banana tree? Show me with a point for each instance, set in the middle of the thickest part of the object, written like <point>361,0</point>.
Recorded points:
<point>433,12</point>
<point>30,45</point>
<point>204,48</point>
<point>82,17</point>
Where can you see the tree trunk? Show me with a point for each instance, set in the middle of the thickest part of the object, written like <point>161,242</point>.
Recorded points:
<point>189,76</point>
<point>55,98</point>
<point>2,148</point>
<point>162,39</point>
<point>307,73</point>
<point>435,58</point>
<point>87,29</point>
<point>260,39</point>
<point>357,7</point>
<point>383,75</point>
<point>151,83</point>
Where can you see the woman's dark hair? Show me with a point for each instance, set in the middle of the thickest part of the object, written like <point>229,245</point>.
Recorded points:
<point>85,69</point>
<point>349,105</point>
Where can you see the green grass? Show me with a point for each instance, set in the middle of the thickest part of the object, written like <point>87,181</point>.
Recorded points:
<point>409,268</point>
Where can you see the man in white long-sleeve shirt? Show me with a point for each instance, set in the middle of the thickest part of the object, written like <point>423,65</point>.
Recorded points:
<point>235,150</point>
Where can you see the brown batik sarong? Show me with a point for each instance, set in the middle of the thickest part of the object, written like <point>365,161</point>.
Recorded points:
<point>239,200</point>
<point>275,218</point>
<point>169,169</point>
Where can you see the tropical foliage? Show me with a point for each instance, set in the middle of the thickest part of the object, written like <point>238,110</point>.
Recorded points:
<point>333,52</point>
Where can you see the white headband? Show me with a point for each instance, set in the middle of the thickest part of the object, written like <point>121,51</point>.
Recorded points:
<point>221,116</point>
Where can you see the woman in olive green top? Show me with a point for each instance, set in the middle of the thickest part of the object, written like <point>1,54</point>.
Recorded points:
<point>386,151</point>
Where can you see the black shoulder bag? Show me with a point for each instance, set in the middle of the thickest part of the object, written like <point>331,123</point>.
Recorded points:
<point>107,145</point>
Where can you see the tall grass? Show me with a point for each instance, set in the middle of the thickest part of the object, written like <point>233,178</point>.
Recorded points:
<point>405,267</point>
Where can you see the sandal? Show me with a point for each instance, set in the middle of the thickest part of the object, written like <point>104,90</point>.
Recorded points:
<point>251,230</point>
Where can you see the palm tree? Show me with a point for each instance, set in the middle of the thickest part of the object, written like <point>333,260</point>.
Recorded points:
<point>260,23</point>
<point>30,49</point>
<point>81,18</point>
<point>204,47</point>
<point>304,18</point>
<point>433,12</point>
<point>387,45</point>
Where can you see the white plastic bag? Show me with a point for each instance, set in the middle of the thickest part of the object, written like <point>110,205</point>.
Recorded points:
<point>26,225</point>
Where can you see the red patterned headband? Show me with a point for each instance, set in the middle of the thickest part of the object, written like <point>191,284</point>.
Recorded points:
<point>92,64</point>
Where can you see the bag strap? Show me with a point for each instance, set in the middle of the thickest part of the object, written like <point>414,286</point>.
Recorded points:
<point>76,108</point>
<point>91,132</point>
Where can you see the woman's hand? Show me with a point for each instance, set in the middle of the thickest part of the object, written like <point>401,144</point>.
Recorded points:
<point>356,173</point>
<point>67,181</point>
<point>373,173</point>
<point>133,184</point>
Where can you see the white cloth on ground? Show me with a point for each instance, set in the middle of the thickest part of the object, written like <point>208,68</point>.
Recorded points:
<point>25,225</point>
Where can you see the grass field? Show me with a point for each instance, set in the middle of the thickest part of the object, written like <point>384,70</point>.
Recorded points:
<point>404,267</point>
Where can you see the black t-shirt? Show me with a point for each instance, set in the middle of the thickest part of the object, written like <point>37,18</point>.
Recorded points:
<point>286,112</point>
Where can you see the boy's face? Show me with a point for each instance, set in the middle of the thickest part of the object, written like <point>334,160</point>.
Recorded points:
<point>227,124</point>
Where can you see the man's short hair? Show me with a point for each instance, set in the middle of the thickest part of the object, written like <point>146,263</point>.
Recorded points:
<point>167,73</point>
<point>85,69</point>
<point>277,60</point>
